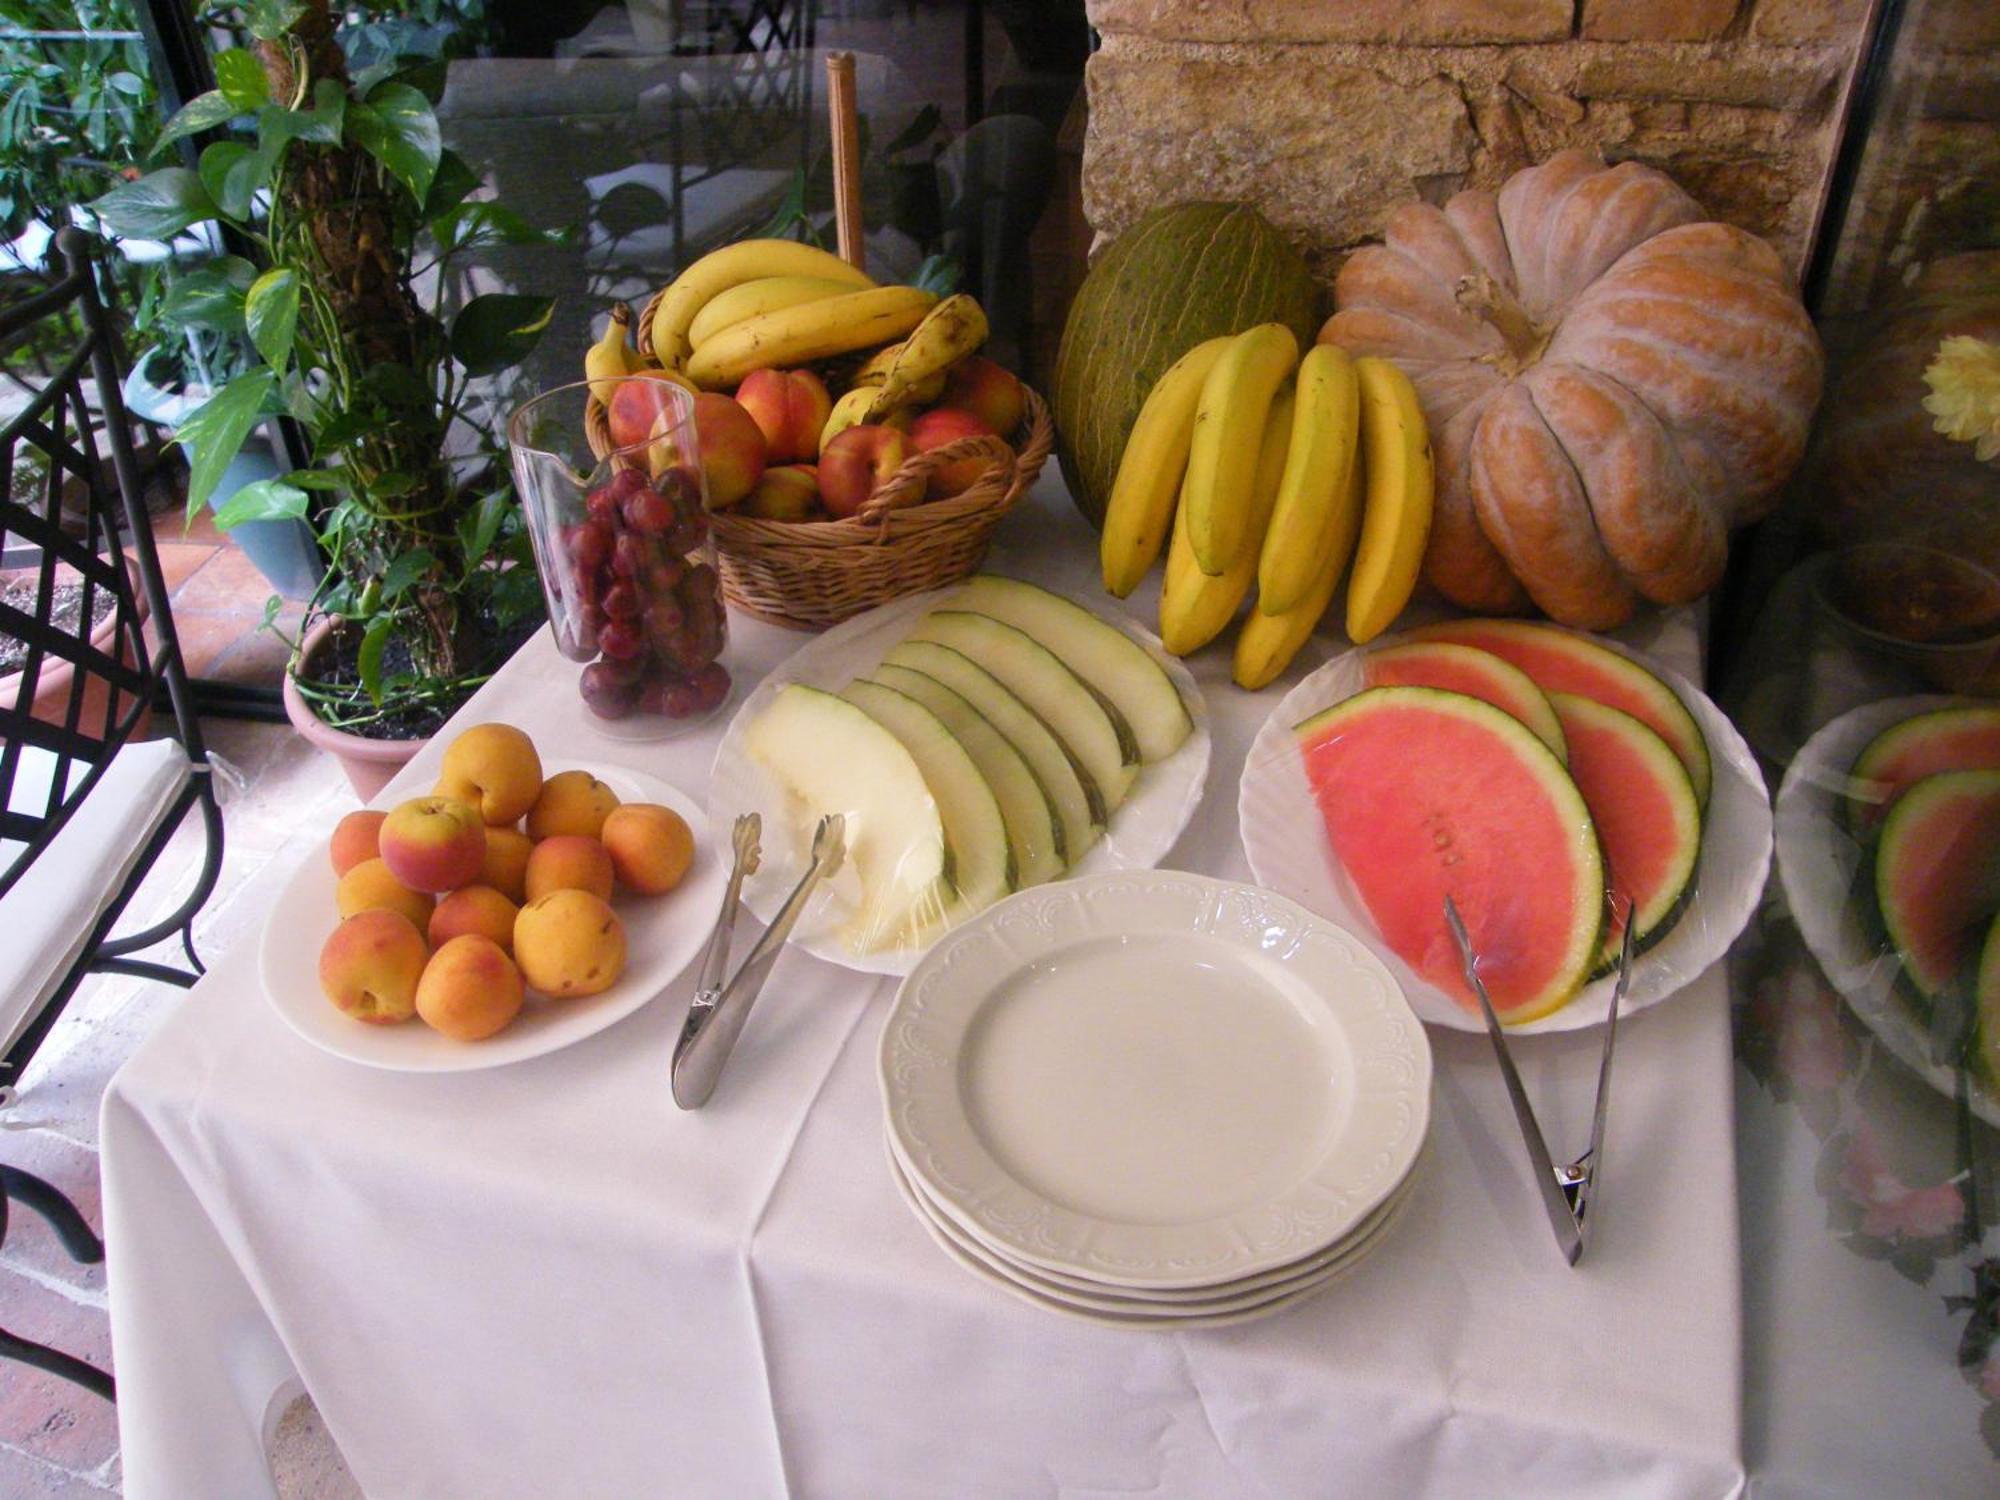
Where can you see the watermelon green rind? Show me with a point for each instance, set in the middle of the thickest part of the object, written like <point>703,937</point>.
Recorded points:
<point>1986,1007</point>
<point>1536,938</point>
<point>1936,874</point>
<point>1962,738</point>
<point>1564,661</point>
<point>1466,669</point>
<point>1179,276</point>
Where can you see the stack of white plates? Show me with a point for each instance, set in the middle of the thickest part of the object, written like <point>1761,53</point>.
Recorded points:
<point>1153,1099</point>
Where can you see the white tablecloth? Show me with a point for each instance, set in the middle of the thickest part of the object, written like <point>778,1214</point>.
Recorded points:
<point>546,1280</point>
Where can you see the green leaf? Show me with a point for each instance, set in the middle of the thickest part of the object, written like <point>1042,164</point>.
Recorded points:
<point>450,187</point>
<point>214,432</point>
<point>240,78</point>
<point>210,296</point>
<point>478,526</point>
<point>271,313</point>
<point>321,124</point>
<point>938,274</point>
<point>271,19</point>
<point>314,479</point>
<point>129,84</point>
<point>368,661</point>
<point>229,172</point>
<point>203,112</point>
<point>472,226</point>
<point>499,329</point>
<point>408,569</point>
<point>398,128</point>
<point>156,207</point>
<point>265,500</point>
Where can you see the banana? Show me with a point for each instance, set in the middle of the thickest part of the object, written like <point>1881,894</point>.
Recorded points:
<point>732,265</point>
<point>1267,643</point>
<point>1312,527</point>
<point>611,358</point>
<point>876,370</point>
<point>949,332</point>
<point>812,330</point>
<point>748,299</point>
<point>1396,518</point>
<point>851,410</point>
<point>1228,426</point>
<point>1142,505</point>
<point>1195,606</point>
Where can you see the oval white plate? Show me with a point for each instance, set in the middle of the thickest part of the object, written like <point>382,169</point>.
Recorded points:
<point>1139,836</point>
<point>663,934</point>
<point>1285,839</point>
<point>1818,865</point>
<point>1154,1079</point>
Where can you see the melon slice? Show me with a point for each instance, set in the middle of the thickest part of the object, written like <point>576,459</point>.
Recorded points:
<point>1647,818</point>
<point>1425,794</point>
<point>1937,874</point>
<point>1477,674</point>
<point>1947,739</point>
<point>1986,1007</point>
<point>1562,661</point>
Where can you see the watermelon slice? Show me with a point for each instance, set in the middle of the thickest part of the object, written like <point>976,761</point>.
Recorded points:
<point>1562,661</point>
<point>1937,874</point>
<point>1477,674</point>
<point>1647,818</point>
<point>1947,739</point>
<point>1986,1007</point>
<point>1426,794</point>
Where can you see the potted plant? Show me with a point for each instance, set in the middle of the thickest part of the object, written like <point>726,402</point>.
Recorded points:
<point>353,215</point>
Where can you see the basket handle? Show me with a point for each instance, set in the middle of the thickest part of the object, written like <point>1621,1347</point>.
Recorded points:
<point>906,486</point>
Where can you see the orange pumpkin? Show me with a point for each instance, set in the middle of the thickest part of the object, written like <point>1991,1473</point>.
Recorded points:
<point>1612,384</point>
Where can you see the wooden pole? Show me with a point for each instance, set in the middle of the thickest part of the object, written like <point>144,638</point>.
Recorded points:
<point>843,127</point>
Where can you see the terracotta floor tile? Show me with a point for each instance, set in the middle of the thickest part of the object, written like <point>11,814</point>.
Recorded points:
<point>204,637</point>
<point>201,529</point>
<point>229,583</point>
<point>256,660</point>
<point>180,561</point>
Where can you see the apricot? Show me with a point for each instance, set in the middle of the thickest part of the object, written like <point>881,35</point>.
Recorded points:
<point>650,846</point>
<point>505,867</point>
<point>569,943</point>
<point>571,802</point>
<point>477,909</point>
<point>434,843</point>
<point>371,964</point>
<point>494,768</point>
<point>469,990</point>
<point>370,886</point>
<point>354,839</point>
<point>569,862</point>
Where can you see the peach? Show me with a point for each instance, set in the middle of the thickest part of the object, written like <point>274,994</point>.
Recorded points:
<point>638,403</point>
<point>571,802</point>
<point>570,862</point>
<point>475,909</point>
<point>989,391</point>
<point>650,846</point>
<point>855,462</point>
<point>788,493</point>
<point>371,964</point>
<point>505,867</point>
<point>434,843</point>
<point>355,839</point>
<point>947,425</point>
<point>470,989</point>
<point>569,943</point>
<point>732,449</point>
<point>493,767</point>
<point>789,407</point>
<point>370,887</point>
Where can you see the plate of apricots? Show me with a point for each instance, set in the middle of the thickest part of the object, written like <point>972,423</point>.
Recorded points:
<point>518,907</point>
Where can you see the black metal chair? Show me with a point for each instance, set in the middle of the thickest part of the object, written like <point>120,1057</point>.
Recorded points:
<point>87,801</point>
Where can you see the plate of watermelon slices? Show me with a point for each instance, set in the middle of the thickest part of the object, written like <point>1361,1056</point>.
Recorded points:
<point>1549,782</point>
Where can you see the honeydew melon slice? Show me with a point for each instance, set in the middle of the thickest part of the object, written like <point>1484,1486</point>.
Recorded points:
<point>833,758</point>
<point>1079,808</point>
<point>1562,661</point>
<point>1946,739</point>
<point>1427,794</point>
<point>1114,666</point>
<point>1937,874</point>
<point>1032,833</point>
<point>1039,679</point>
<point>1477,674</point>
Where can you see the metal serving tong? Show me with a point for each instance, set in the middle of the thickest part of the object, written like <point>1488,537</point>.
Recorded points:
<point>1565,1190</point>
<point>716,1015</point>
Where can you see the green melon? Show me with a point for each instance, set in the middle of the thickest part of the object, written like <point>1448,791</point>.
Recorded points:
<point>1178,277</point>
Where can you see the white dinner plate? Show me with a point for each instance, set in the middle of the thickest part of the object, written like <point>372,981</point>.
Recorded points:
<point>1140,833</point>
<point>663,934</point>
<point>1154,1079</point>
<point>1820,865</point>
<point>1286,842</point>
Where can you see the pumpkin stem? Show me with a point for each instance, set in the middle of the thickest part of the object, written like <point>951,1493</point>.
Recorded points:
<point>1484,297</point>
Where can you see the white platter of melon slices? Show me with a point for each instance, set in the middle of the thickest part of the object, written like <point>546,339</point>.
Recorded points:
<point>1548,781</point>
<point>1888,829</point>
<point>978,739</point>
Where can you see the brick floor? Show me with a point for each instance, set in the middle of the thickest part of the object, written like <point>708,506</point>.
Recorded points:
<point>43,1415</point>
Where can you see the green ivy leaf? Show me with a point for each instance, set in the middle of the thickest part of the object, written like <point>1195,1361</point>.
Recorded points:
<point>399,129</point>
<point>214,433</point>
<point>314,479</point>
<point>240,78</point>
<point>203,112</point>
<point>450,187</point>
<point>265,500</point>
<point>229,173</point>
<point>368,661</point>
<point>478,526</point>
<point>499,329</point>
<point>210,296</point>
<point>271,313</point>
<point>271,19</point>
<point>156,207</point>
<point>406,570</point>
<point>473,226</point>
<point>322,124</point>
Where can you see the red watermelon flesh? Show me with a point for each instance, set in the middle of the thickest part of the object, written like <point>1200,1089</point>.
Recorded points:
<point>1948,739</point>
<point>1426,794</point>
<point>1562,661</point>
<point>1937,873</point>
<point>1477,674</point>
<point>1647,818</point>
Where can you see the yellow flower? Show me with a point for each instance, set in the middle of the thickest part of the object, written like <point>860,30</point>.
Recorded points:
<point>1964,377</point>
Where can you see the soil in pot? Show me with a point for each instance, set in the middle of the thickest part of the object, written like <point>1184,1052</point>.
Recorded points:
<point>337,666</point>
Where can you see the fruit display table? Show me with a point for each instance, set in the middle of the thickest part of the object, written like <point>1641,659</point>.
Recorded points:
<point>545,1279</point>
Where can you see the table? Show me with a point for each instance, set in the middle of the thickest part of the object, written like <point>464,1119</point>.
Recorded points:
<point>544,1279</point>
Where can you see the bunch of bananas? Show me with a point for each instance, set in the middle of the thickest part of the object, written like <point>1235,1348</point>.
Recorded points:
<point>1252,465</point>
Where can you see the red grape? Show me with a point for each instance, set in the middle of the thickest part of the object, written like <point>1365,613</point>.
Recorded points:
<point>626,483</point>
<point>711,685</point>
<point>605,692</point>
<point>622,601</point>
<point>649,512</point>
<point>631,555</point>
<point>621,640</point>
